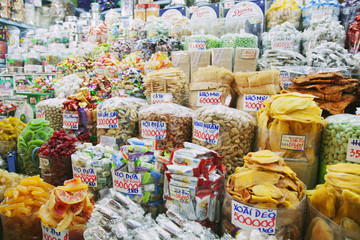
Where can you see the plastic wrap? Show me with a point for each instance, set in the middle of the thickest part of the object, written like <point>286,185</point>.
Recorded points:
<point>280,58</point>
<point>123,115</point>
<point>62,8</point>
<point>67,85</point>
<point>246,40</point>
<point>52,111</point>
<point>283,11</point>
<point>167,123</point>
<point>336,136</point>
<point>349,10</point>
<point>157,28</point>
<point>220,128</point>
<point>201,42</point>
<point>23,227</point>
<point>318,10</point>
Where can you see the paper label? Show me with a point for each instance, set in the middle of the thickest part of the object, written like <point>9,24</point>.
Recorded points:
<point>181,194</point>
<point>40,113</point>
<point>44,163</point>
<point>196,58</point>
<point>253,102</point>
<point>317,15</point>
<point>107,141</point>
<point>157,98</point>
<point>208,98</point>
<point>218,56</point>
<point>285,78</point>
<point>176,59</point>
<point>227,100</point>
<point>171,14</point>
<point>127,182</point>
<point>281,43</point>
<point>107,120</point>
<point>153,129</point>
<point>250,218</point>
<point>248,54</point>
<point>353,150</point>
<point>206,132</point>
<point>228,5</point>
<point>70,121</point>
<point>203,13</point>
<point>49,233</point>
<point>293,142</point>
<point>87,175</point>
<point>197,44</point>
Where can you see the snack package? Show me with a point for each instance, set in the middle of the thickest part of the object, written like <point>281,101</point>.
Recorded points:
<point>118,118</point>
<point>52,111</point>
<point>349,11</point>
<point>167,123</point>
<point>275,58</point>
<point>282,11</point>
<point>201,42</point>
<point>291,123</point>
<point>220,128</point>
<point>223,57</point>
<point>352,36</point>
<point>316,11</point>
<point>181,59</point>
<point>271,194</point>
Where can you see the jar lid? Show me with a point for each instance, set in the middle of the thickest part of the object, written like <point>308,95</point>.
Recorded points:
<point>85,15</point>
<point>71,19</point>
<point>154,5</point>
<point>140,6</point>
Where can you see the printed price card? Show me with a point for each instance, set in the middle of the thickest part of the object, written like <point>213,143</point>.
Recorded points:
<point>197,44</point>
<point>70,121</point>
<point>293,142</point>
<point>127,182</point>
<point>208,98</point>
<point>40,113</point>
<point>49,233</point>
<point>107,120</point>
<point>87,175</point>
<point>181,194</point>
<point>153,129</point>
<point>206,132</point>
<point>282,43</point>
<point>253,102</point>
<point>250,218</point>
<point>353,152</point>
<point>44,163</point>
<point>157,98</point>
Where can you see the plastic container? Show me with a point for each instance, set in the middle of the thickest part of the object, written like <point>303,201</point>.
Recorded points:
<point>14,62</point>
<point>23,227</point>
<point>59,169</point>
<point>152,11</point>
<point>13,39</point>
<point>245,40</point>
<point>140,12</point>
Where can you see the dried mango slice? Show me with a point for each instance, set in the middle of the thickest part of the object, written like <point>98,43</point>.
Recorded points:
<point>349,206</point>
<point>344,168</point>
<point>263,157</point>
<point>264,190</point>
<point>257,199</point>
<point>324,200</point>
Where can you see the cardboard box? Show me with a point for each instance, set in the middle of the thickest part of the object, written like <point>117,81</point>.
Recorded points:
<point>222,57</point>
<point>246,59</point>
<point>207,11</point>
<point>200,58</point>
<point>170,13</point>
<point>181,59</point>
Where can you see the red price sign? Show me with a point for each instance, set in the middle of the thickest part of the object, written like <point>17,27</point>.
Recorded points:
<point>293,142</point>
<point>153,130</point>
<point>49,233</point>
<point>87,175</point>
<point>206,132</point>
<point>40,113</point>
<point>209,98</point>
<point>127,182</point>
<point>107,120</point>
<point>253,102</point>
<point>353,151</point>
<point>70,121</point>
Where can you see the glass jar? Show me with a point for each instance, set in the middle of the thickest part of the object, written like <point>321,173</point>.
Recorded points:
<point>13,61</point>
<point>95,11</point>
<point>45,17</point>
<point>152,11</point>
<point>59,169</point>
<point>140,12</point>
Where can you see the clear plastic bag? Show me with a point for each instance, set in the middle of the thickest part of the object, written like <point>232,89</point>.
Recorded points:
<point>62,8</point>
<point>283,11</point>
<point>201,42</point>
<point>67,85</point>
<point>52,111</point>
<point>167,123</point>
<point>126,110</point>
<point>229,132</point>
<point>246,40</point>
<point>316,11</point>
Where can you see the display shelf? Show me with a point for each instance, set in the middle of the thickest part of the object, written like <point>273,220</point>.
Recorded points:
<point>17,24</point>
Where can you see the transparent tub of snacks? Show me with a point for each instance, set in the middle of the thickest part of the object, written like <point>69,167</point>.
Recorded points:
<point>265,194</point>
<point>167,123</point>
<point>118,118</point>
<point>22,227</point>
<point>52,111</point>
<point>229,132</point>
<point>340,137</point>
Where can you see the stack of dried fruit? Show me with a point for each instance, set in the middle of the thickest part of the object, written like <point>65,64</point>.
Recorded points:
<point>10,128</point>
<point>69,207</point>
<point>8,180</point>
<point>339,200</point>
<point>20,208</point>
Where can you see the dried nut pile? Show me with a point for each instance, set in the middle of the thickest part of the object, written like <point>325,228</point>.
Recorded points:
<point>233,132</point>
<point>51,110</point>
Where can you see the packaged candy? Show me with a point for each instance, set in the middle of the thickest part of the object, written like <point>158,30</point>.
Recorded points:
<point>282,11</point>
<point>280,58</point>
<point>353,36</point>
<point>201,42</point>
<point>66,86</point>
<point>316,11</point>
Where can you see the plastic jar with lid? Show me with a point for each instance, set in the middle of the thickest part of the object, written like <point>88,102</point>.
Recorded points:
<point>29,13</point>
<point>13,62</point>
<point>140,12</point>
<point>145,1</point>
<point>152,11</point>
<point>40,37</point>
<point>45,17</point>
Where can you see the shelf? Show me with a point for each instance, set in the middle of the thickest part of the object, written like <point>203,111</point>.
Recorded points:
<point>17,24</point>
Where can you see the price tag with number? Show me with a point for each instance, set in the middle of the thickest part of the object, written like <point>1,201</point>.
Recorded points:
<point>206,132</point>
<point>353,152</point>
<point>70,121</point>
<point>127,182</point>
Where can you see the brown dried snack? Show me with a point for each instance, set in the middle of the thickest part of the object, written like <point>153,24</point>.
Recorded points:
<point>337,107</point>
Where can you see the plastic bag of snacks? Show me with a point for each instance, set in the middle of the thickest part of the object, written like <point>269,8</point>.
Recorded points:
<point>32,136</point>
<point>334,206</point>
<point>316,11</point>
<point>118,117</point>
<point>171,82</point>
<point>265,195</point>
<point>167,123</point>
<point>194,183</point>
<point>19,210</point>
<point>229,132</point>
<point>52,111</point>
<point>283,11</point>
<point>291,123</point>
<point>246,40</point>
<point>339,136</point>
<point>201,42</point>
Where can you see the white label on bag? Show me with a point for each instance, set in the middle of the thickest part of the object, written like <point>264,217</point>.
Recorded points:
<point>250,218</point>
<point>44,163</point>
<point>206,132</point>
<point>282,43</point>
<point>107,120</point>
<point>127,182</point>
<point>181,194</point>
<point>253,102</point>
<point>40,113</point>
<point>208,98</point>
<point>293,142</point>
<point>87,175</point>
<point>49,233</point>
<point>353,150</point>
<point>157,98</point>
<point>70,121</point>
<point>227,101</point>
<point>197,44</point>
<point>153,129</point>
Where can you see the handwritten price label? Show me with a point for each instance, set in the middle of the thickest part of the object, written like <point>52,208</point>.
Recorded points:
<point>70,121</point>
<point>250,218</point>
<point>281,43</point>
<point>107,120</point>
<point>353,150</point>
<point>181,194</point>
<point>44,163</point>
<point>127,182</point>
<point>208,98</point>
<point>206,132</point>
<point>49,233</point>
<point>40,113</point>
<point>248,54</point>
<point>157,98</point>
<point>253,102</point>
<point>293,142</point>
<point>153,129</point>
<point>87,175</point>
